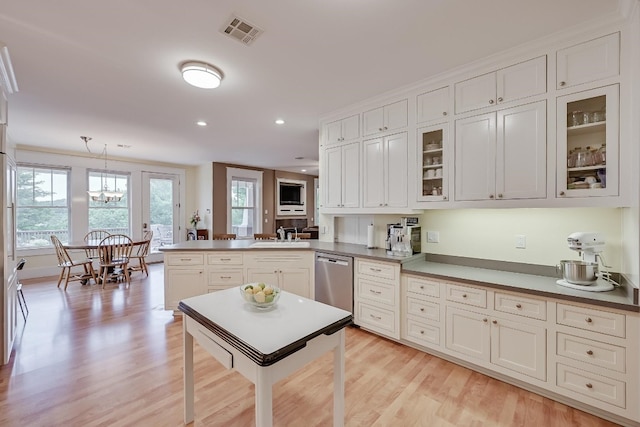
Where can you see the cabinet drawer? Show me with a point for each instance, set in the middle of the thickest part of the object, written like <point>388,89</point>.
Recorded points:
<point>210,342</point>
<point>423,309</point>
<point>422,334</point>
<point>522,306</point>
<point>591,385</point>
<point>467,295</point>
<point>593,352</point>
<point>228,277</point>
<point>423,287</point>
<point>184,259</point>
<point>378,270</point>
<point>603,322</point>
<point>224,258</point>
<point>377,319</point>
<point>376,292</point>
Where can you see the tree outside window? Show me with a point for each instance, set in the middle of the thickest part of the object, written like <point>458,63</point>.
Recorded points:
<point>112,216</point>
<point>42,206</point>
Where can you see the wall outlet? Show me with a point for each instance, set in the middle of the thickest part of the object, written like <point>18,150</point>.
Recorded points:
<point>433,236</point>
<point>521,241</point>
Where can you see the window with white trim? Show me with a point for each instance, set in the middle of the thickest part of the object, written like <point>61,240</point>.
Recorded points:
<point>42,205</point>
<point>114,215</point>
<point>244,216</point>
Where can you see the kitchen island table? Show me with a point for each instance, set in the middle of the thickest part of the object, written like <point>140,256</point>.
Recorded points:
<point>264,345</point>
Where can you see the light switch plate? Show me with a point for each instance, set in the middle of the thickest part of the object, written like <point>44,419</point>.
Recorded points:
<point>521,241</point>
<point>433,236</point>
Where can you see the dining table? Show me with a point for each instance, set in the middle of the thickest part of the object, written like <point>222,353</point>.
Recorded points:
<point>264,345</point>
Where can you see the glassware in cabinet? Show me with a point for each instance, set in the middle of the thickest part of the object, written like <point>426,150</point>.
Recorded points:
<point>432,163</point>
<point>588,143</point>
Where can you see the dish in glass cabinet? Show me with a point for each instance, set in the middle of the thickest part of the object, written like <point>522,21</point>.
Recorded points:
<point>260,295</point>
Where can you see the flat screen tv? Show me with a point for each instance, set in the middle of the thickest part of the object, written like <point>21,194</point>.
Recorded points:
<point>291,194</point>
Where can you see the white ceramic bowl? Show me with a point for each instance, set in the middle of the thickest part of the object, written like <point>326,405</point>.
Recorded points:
<point>266,296</point>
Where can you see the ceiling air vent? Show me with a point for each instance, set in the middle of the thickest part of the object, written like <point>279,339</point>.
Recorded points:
<point>239,29</point>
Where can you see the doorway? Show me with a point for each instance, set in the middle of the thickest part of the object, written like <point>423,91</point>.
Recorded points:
<point>160,210</point>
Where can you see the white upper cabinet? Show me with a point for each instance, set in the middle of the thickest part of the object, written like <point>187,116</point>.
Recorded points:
<point>385,119</point>
<point>342,176</point>
<point>589,61</point>
<point>505,85</point>
<point>502,155</point>
<point>343,130</point>
<point>385,176</point>
<point>433,105</point>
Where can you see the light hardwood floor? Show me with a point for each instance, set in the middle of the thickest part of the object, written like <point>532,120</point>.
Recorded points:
<point>113,357</point>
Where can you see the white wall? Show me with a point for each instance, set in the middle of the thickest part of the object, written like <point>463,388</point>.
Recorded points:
<point>490,233</point>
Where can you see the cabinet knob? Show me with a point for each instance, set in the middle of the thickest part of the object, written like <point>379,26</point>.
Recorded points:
<point>499,196</point>
<point>491,101</point>
<point>562,193</point>
<point>500,99</point>
<point>495,322</point>
<point>444,197</point>
<point>590,352</point>
<point>464,295</point>
<point>485,320</point>
<point>518,305</point>
<point>422,309</point>
<point>589,385</point>
<point>563,83</point>
<point>421,287</point>
<point>588,320</point>
<point>380,129</point>
<point>385,128</point>
<point>491,196</point>
<point>444,113</point>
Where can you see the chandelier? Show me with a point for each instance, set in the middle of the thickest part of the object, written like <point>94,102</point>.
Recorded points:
<point>104,195</point>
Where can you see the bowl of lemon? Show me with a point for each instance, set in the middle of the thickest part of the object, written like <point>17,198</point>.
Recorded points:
<point>260,295</point>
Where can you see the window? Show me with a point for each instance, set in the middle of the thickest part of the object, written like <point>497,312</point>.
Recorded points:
<point>42,206</point>
<point>112,216</point>
<point>244,218</point>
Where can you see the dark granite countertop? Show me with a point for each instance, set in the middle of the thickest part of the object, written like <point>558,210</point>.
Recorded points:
<point>542,285</point>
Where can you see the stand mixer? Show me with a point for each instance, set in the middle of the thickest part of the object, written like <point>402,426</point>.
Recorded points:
<point>590,247</point>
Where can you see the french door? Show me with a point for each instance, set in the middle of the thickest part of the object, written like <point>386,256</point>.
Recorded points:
<point>160,210</point>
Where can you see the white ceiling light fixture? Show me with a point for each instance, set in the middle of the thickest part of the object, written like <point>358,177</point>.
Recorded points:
<point>104,195</point>
<point>201,123</point>
<point>201,74</point>
<point>279,121</point>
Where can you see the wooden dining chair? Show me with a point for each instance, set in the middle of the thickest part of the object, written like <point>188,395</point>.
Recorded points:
<point>67,264</point>
<point>140,252</point>
<point>115,254</point>
<point>265,236</point>
<point>230,236</point>
<point>94,236</point>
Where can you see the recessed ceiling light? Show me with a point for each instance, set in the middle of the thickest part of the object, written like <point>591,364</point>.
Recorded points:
<point>201,74</point>
<point>303,170</point>
<point>279,122</point>
<point>201,123</point>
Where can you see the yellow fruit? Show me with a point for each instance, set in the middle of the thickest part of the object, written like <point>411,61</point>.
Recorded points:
<point>259,297</point>
<point>268,290</point>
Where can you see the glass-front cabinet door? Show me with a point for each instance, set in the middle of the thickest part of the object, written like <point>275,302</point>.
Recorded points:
<point>588,143</point>
<point>433,160</point>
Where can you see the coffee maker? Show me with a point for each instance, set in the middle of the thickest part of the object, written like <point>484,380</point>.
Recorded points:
<point>404,237</point>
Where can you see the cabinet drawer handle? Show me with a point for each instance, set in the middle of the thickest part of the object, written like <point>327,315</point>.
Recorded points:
<point>589,385</point>
<point>375,317</point>
<point>377,270</point>
<point>588,320</point>
<point>495,322</point>
<point>563,83</point>
<point>375,292</point>
<point>485,320</point>
<point>518,305</point>
<point>590,352</point>
<point>185,259</point>
<point>225,277</point>
<point>225,259</point>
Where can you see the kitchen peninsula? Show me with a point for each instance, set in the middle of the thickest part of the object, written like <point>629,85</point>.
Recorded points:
<point>573,346</point>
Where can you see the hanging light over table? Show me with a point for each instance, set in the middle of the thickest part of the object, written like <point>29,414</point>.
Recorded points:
<point>104,195</point>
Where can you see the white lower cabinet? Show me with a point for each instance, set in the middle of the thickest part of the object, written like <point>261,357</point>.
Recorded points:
<point>377,296</point>
<point>188,274</point>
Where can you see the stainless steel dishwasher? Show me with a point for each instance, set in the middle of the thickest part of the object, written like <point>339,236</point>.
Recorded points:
<point>334,280</point>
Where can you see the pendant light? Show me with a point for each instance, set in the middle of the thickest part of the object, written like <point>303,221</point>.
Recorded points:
<point>104,195</point>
